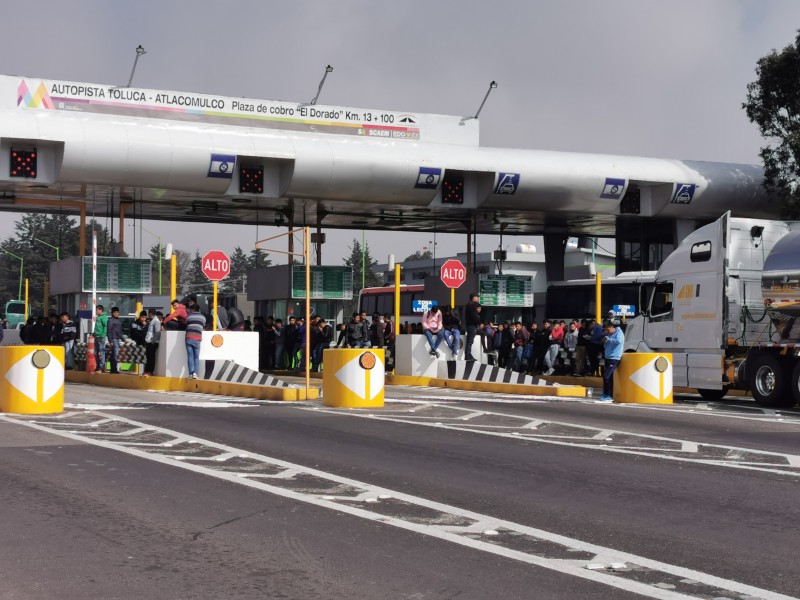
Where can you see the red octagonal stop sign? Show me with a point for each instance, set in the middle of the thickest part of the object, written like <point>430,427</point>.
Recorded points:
<point>454,273</point>
<point>216,265</point>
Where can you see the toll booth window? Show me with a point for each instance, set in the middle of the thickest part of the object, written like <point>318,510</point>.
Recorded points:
<point>251,180</point>
<point>700,252</point>
<point>23,163</point>
<point>661,304</point>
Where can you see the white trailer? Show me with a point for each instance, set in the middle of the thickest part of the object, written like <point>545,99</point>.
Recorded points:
<point>725,304</point>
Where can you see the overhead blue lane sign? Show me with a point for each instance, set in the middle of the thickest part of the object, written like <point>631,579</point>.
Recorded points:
<point>428,178</point>
<point>507,183</point>
<point>613,188</point>
<point>684,192</point>
<point>222,165</point>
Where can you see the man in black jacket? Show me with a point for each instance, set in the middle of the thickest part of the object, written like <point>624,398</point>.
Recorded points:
<point>114,338</point>
<point>472,319</point>
<point>66,334</point>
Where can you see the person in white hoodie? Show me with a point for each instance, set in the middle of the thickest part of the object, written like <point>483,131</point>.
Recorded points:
<point>151,339</point>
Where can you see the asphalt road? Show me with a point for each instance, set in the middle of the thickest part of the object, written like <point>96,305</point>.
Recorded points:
<point>438,495</point>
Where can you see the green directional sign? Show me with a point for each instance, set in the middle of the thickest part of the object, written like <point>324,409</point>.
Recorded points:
<point>327,283</point>
<point>506,290</point>
<point>119,275</point>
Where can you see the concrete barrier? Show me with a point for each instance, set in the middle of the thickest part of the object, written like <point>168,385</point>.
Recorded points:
<point>31,379</point>
<point>644,378</point>
<point>353,377</point>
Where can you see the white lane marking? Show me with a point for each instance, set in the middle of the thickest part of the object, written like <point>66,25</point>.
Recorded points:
<point>779,463</point>
<point>604,558</point>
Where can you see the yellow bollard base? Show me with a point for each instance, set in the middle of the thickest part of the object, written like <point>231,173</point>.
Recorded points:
<point>32,379</point>
<point>643,378</point>
<point>353,377</point>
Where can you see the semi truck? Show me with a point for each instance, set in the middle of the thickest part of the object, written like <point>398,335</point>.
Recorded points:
<point>725,304</point>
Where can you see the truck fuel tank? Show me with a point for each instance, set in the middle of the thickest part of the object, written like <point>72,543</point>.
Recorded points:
<point>780,284</point>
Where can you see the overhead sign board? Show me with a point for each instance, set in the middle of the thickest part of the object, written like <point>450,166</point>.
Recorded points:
<point>327,283</point>
<point>506,290</point>
<point>118,275</point>
<point>42,94</point>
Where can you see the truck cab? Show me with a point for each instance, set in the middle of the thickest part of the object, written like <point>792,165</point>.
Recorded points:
<point>709,310</point>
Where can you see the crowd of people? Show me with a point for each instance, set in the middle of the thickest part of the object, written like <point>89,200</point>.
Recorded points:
<point>284,346</point>
<point>522,347</point>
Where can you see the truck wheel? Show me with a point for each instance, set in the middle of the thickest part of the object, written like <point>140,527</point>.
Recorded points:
<point>768,381</point>
<point>712,395</point>
<point>794,382</point>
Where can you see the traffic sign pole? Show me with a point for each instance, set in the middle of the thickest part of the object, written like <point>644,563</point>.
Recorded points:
<point>452,297</point>
<point>214,317</point>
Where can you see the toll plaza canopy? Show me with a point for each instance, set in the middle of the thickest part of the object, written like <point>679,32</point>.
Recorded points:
<point>195,157</point>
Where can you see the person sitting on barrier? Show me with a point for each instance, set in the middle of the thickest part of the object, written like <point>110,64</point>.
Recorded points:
<point>152,337</point>
<point>341,340</point>
<point>100,334</point>
<point>451,326</point>
<point>432,326</point>
<point>195,324</point>
<point>236,320</point>
<point>613,340</point>
<point>176,320</point>
<point>66,334</point>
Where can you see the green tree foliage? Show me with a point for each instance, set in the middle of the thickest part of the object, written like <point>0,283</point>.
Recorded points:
<point>371,279</point>
<point>257,259</point>
<point>424,255</point>
<point>35,238</point>
<point>239,267</point>
<point>773,103</point>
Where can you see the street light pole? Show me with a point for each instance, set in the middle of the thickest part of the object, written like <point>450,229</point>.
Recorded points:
<point>21,263</point>
<point>56,248</point>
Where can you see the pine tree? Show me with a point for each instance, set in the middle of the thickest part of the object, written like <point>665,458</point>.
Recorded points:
<point>257,259</point>
<point>239,267</point>
<point>370,279</point>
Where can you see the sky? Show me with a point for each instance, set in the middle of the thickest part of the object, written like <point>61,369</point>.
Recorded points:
<point>632,77</point>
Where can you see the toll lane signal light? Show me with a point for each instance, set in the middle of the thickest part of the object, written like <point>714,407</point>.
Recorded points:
<point>23,163</point>
<point>453,189</point>
<point>251,180</point>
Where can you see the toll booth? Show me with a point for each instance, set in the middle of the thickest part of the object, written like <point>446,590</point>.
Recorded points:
<point>121,282</point>
<point>280,291</point>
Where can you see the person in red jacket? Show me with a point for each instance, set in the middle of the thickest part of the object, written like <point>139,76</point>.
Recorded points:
<point>177,318</point>
<point>556,338</point>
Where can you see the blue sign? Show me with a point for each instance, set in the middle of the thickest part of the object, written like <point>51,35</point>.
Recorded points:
<point>613,189</point>
<point>421,306</point>
<point>624,310</point>
<point>684,192</point>
<point>507,183</point>
<point>428,178</point>
<point>222,166</point>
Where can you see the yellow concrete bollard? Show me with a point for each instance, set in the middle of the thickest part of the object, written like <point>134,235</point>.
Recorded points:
<point>644,378</point>
<point>31,379</point>
<point>353,377</point>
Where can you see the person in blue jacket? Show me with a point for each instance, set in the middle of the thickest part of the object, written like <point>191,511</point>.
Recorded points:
<point>614,340</point>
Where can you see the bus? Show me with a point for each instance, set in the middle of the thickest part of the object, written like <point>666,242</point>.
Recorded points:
<point>575,299</point>
<point>15,313</point>
<point>381,300</point>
